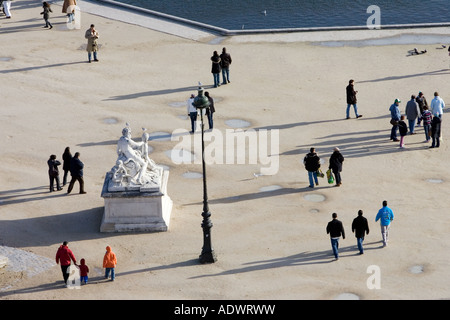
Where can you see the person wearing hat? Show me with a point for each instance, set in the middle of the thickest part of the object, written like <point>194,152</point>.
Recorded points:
<point>336,161</point>
<point>395,118</point>
<point>192,112</point>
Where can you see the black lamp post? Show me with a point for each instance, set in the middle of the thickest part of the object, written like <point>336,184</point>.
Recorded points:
<point>201,102</point>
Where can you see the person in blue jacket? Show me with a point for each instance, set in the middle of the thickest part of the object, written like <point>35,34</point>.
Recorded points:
<point>395,118</point>
<point>385,215</point>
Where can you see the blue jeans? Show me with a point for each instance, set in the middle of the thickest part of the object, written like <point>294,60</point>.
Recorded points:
<point>394,132</point>
<point>193,116</point>
<point>426,128</point>
<point>84,278</point>
<point>359,241</point>
<point>107,271</point>
<point>225,75</point>
<point>312,175</point>
<point>216,79</point>
<point>412,123</point>
<point>95,55</point>
<point>210,119</point>
<point>355,107</point>
<point>335,247</point>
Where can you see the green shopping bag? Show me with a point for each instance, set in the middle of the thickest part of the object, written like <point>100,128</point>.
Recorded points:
<point>330,177</point>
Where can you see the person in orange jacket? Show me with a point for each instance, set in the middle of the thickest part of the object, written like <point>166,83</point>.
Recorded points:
<point>109,263</point>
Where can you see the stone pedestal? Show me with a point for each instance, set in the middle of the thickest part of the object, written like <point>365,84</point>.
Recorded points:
<point>136,210</point>
<point>3,261</point>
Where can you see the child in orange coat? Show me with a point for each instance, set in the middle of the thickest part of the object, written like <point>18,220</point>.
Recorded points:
<point>109,263</point>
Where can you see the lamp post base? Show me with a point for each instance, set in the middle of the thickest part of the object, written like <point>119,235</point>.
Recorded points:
<point>207,257</point>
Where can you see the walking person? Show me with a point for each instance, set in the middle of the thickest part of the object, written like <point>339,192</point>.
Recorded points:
<point>7,8</point>
<point>422,102</point>
<point>385,215</point>
<point>395,118</point>
<point>360,227</point>
<point>335,229</point>
<point>412,112</point>
<point>109,263</point>
<point>46,14</point>
<point>192,112</point>
<point>215,69</point>
<point>312,164</point>
<point>84,271</point>
<point>225,59</point>
<point>64,256</point>
<point>67,157</point>
<point>426,117</point>
<point>435,132</point>
<point>67,6</point>
<point>92,46</point>
<point>210,111</point>
<point>336,161</point>
<point>403,129</point>
<point>351,99</point>
<point>53,172</point>
<point>76,171</point>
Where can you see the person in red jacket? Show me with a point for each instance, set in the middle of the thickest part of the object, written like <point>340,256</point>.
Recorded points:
<point>64,255</point>
<point>84,270</point>
<point>109,263</point>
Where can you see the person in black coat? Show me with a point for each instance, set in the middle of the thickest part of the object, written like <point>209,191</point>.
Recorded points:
<point>225,58</point>
<point>216,68</point>
<point>53,172</point>
<point>210,110</point>
<point>76,171</point>
<point>312,164</point>
<point>435,131</point>
<point>360,227</point>
<point>336,161</point>
<point>67,156</point>
<point>336,230</point>
<point>351,99</point>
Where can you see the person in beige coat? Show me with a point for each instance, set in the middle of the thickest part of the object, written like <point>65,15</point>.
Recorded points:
<point>69,5</point>
<point>91,35</point>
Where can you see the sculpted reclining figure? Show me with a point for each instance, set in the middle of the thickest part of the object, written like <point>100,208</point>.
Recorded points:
<point>133,166</point>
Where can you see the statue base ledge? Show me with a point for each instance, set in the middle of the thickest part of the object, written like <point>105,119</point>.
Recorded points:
<point>136,211</point>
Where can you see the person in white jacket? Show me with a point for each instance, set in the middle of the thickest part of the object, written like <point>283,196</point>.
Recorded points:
<point>192,112</point>
<point>437,105</point>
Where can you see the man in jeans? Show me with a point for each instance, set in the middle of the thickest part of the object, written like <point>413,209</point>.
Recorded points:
<point>360,227</point>
<point>335,229</point>
<point>385,215</point>
<point>351,99</point>
<point>312,164</point>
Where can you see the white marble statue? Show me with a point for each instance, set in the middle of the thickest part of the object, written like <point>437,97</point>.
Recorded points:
<point>134,169</point>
